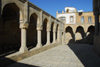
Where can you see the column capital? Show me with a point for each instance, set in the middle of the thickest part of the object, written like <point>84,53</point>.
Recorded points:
<point>24,25</point>
<point>48,29</point>
<point>39,27</point>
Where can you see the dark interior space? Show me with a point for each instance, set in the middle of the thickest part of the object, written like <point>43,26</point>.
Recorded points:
<point>9,30</point>
<point>51,33</point>
<point>57,31</point>
<point>44,32</point>
<point>32,32</point>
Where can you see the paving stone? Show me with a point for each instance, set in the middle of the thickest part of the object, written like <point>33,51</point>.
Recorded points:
<point>63,56</point>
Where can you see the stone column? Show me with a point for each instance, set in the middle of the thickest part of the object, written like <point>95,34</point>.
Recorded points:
<point>23,48</point>
<point>58,37</point>
<point>39,39</point>
<point>48,38</point>
<point>63,38</point>
<point>54,36</point>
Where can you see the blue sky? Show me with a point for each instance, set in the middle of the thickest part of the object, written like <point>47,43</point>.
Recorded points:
<point>51,6</point>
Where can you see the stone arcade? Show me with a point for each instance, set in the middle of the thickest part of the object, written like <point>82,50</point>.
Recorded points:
<point>25,26</point>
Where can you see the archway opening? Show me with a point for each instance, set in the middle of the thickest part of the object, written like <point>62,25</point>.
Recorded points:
<point>80,30</point>
<point>69,35</point>
<point>90,34</point>
<point>32,32</point>
<point>44,32</point>
<point>9,31</point>
<point>51,32</point>
<point>57,31</point>
<point>80,35</point>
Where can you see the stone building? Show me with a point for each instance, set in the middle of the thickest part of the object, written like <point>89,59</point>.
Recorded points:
<point>96,9</point>
<point>77,25</point>
<point>24,26</point>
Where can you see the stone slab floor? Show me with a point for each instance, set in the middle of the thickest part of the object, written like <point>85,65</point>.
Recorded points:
<point>77,55</point>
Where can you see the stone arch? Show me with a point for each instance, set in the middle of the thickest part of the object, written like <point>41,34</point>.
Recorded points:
<point>69,35</point>
<point>81,31</point>
<point>32,31</point>
<point>44,31</point>
<point>91,29</point>
<point>18,3</point>
<point>80,35</point>
<point>51,32</point>
<point>10,32</point>
<point>69,30</point>
<point>90,34</point>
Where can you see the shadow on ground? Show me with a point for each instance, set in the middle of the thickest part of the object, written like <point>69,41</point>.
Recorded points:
<point>86,54</point>
<point>5,62</point>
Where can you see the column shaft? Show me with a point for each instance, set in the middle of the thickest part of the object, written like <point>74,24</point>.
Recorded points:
<point>54,37</point>
<point>23,41</point>
<point>48,38</point>
<point>39,38</point>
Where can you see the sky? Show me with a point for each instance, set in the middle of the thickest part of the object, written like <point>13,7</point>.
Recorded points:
<point>51,6</point>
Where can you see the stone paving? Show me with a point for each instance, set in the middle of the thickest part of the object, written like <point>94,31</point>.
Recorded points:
<point>62,56</point>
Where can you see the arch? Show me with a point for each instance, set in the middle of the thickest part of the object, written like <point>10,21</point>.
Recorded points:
<point>51,32</point>
<point>90,34</point>
<point>91,29</point>
<point>81,31</point>
<point>10,32</point>
<point>70,30</point>
<point>32,32</point>
<point>18,3</point>
<point>69,35</point>
<point>57,28</point>
<point>44,31</point>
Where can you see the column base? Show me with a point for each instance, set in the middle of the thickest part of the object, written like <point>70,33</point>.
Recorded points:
<point>39,46</point>
<point>48,44</point>
<point>23,50</point>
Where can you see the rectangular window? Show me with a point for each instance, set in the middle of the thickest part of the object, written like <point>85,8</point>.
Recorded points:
<point>82,19</point>
<point>62,18</point>
<point>71,19</point>
<point>90,19</point>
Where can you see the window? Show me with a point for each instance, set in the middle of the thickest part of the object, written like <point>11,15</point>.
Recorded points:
<point>62,18</point>
<point>82,19</point>
<point>71,19</point>
<point>67,10</point>
<point>90,19</point>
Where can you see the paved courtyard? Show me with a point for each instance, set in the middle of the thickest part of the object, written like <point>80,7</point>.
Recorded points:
<point>63,56</point>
